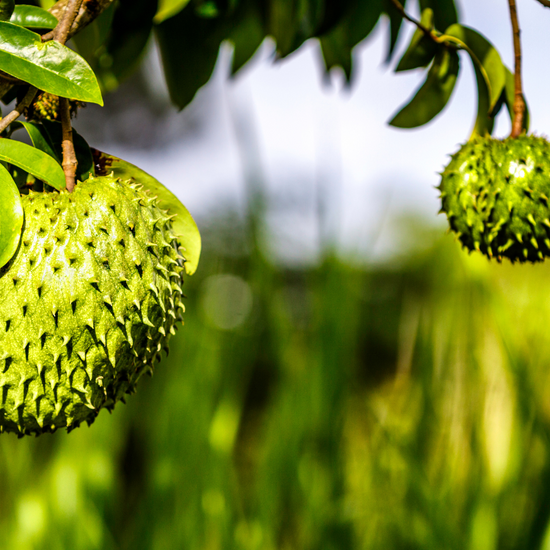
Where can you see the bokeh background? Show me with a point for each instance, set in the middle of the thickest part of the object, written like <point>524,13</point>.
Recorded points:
<point>347,377</point>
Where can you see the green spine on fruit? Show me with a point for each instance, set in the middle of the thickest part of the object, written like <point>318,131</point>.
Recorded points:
<point>496,196</point>
<point>87,303</point>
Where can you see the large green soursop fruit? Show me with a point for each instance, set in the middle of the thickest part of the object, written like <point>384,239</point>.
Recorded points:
<point>86,305</point>
<point>496,196</point>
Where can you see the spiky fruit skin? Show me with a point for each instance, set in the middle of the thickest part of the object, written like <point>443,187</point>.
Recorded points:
<point>496,197</point>
<point>86,305</point>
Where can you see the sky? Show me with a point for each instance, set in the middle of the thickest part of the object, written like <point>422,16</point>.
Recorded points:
<point>324,155</point>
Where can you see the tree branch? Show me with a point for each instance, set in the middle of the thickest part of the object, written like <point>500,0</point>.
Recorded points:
<point>428,32</point>
<point>22,106</point>
<point>61,32</point>
<point>519,102</point>
<point>87,13</point>
<point>545,3</point>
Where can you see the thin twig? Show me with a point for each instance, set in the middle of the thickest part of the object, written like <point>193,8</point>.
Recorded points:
<point>22,106</point>
<point>428,32</point>
<point>519,102</point>
<point>70,163</point>
<point>545,3</point>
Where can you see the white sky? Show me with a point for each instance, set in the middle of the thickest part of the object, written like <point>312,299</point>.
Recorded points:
<point>301,136</point>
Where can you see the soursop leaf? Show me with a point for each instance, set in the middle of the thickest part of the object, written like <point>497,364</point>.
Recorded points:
<point>48,66</point>
<point>39,137</point>
<point>183,223</point>
<point>485,58</point>
<point>421,49</point>
<point>433,95</point>
<point>6,9</point>
<point>11,217</point>
<point>33,17</point>
<point>33,161</point>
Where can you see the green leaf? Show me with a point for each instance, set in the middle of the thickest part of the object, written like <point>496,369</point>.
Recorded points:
<point>39,138</point>
<point>49,66</point>
<point>421,49</point>
<point>11,217</point>
<point>445,13</point>
<point>33,17</point>
<point>183,223</point>
<point>433,95</point>
<point>6,9</point>
<point>168,8</point>
<point>484,56</point>
<point>34,161</point>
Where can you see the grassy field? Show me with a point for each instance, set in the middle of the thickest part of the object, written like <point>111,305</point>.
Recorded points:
<point>401,406</point>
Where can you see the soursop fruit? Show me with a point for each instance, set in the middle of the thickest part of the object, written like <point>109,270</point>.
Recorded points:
<point>496,196</point>
<point>87,303</point>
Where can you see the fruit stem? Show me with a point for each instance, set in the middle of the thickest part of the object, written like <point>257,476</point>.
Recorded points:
<point>519,102</point>
<point>70,164</point>
<point>22,106</point>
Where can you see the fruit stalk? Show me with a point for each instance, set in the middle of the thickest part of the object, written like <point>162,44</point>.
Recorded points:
<point>61,34</point>
<point>70,163</point>
<point>519,102</point>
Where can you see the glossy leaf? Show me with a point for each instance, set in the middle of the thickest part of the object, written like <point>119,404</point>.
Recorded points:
<point>421,49</point>
<point>433,95</point>
<point>445,13</point>
<point>39,138</point>
<point>33,17</point>
<point>484,56</point>
<point>6,9</point>
<point>183,223</point>
<point>11,217</point>
<point>33,161</point>
<point>169,8</point>
<point>49,66</point>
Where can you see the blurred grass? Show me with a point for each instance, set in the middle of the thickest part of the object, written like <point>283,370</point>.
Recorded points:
<point>340,406</point>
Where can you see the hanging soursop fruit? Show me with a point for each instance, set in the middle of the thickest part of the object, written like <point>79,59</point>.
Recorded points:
<point>87,303</point>
<point>496,196</point>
